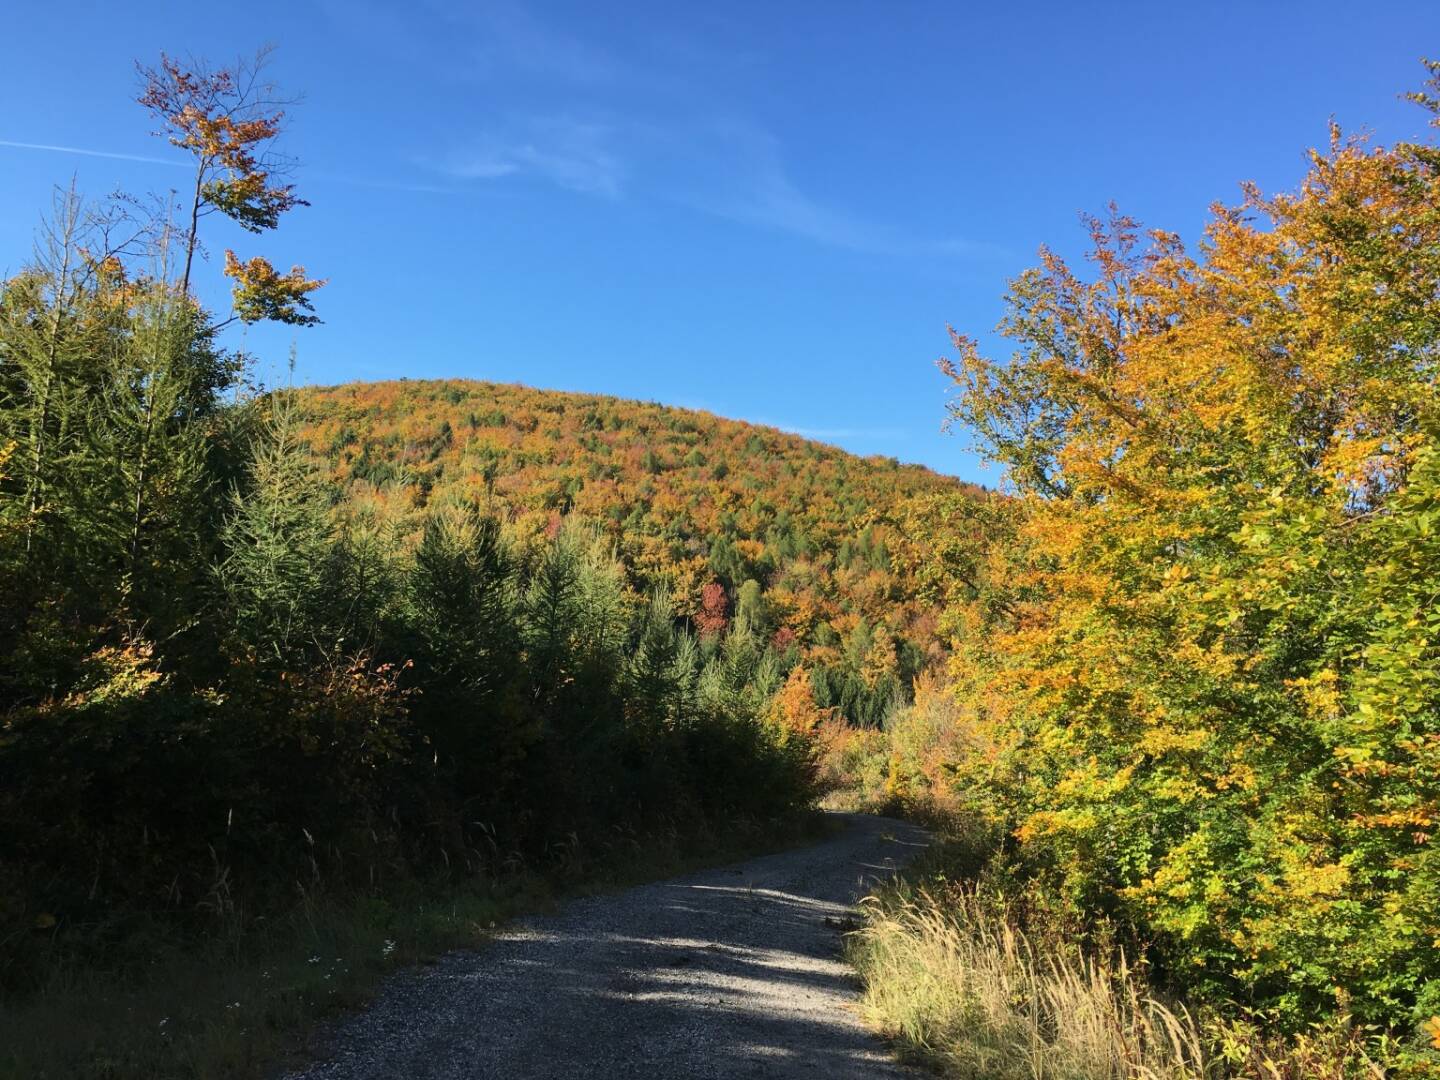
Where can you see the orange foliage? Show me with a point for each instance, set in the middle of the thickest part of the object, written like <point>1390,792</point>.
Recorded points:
<point>695,505</point>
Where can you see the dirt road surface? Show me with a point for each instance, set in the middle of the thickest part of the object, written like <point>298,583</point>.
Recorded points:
<point>732,972</point>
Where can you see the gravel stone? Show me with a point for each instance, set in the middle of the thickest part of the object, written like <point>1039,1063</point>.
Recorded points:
<point>731,972</point>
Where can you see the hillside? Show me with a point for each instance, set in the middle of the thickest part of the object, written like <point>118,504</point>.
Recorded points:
<point>797,533</point>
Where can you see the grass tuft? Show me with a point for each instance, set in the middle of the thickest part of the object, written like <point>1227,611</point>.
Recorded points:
<point>960,986</point>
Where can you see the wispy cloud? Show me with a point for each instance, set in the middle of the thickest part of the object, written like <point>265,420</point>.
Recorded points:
<point>666,127</point>
<point>727,168</point>
<point>760,190</point>
<point>772,200</point>
<point>579,155</point>
<point>319,174</point>
<point>735,169</point>
<point>85,152</point>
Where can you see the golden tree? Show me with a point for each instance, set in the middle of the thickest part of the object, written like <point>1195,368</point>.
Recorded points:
<point>228,119</point>
<point>1210,644</point>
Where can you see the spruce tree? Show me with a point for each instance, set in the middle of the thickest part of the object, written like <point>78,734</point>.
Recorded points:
<point>279,542</point>
<point>462,598</point>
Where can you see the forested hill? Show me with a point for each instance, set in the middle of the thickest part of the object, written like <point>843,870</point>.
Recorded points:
<point>799,536</point>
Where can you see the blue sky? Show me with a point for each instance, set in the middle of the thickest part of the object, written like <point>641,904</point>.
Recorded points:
<point>771,211</point>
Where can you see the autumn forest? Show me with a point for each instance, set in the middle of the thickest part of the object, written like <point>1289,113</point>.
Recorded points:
<point>377,662</point>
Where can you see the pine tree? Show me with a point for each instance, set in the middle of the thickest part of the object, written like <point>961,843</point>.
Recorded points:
<point>142,484</point>
<point>279,542</point>
<point>462,597</point>
<point>660,669</point>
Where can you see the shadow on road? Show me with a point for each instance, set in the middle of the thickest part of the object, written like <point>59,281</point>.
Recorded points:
<point>728,973</point>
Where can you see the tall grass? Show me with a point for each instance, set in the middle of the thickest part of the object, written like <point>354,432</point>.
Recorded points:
<point>959,985</point>
<point>982,977</point>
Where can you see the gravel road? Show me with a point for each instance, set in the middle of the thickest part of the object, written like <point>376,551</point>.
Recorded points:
<point>733,972</point>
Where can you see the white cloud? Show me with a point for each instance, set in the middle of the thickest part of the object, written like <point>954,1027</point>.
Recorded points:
<point>575,154</point>
<point>663,131</point>
<point>758,189</point>
<point>176,162</point>
<point>84,152</point>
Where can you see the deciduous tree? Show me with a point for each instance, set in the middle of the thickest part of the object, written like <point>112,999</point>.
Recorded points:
<point>228,120</point>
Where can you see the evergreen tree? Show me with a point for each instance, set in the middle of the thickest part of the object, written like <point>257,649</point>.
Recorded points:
<point>279,542</point>
<point>462,597</point>
<point>660,670</point>
<point>462,610</point>
<point>143,470</point>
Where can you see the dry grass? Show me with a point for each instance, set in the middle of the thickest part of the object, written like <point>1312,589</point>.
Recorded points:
<point>953,980</point>
<point>959,986</point>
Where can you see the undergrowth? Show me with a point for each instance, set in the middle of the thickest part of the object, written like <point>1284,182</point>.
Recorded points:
<point>242,997</point>
<point>981,975</point>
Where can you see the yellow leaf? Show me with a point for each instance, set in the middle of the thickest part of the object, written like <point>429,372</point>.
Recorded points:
<point>1432,1028</point>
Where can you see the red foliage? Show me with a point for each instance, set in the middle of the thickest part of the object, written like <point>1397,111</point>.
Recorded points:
<point>714,613</point>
